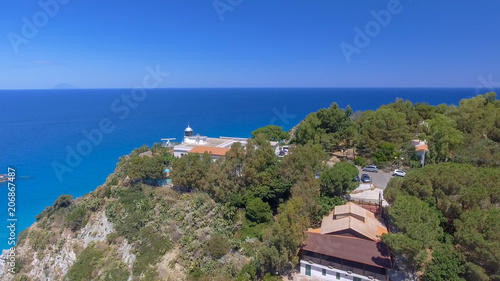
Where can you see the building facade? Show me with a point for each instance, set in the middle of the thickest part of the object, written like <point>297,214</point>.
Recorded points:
<point>346,247</point>
<point>216,147</point>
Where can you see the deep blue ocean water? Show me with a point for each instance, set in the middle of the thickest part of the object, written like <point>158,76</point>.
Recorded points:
<point>39,127</point>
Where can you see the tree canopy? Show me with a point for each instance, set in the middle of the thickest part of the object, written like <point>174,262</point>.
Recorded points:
<point>449,212</point>
<point>272,133</point>
<point>339,179</point>
<point>327,127</point>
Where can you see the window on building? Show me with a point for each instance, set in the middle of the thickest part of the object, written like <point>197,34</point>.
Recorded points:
<point>356,279</point>
<point>308,270</point>
<point>338,275</point>
<point>323,271</point>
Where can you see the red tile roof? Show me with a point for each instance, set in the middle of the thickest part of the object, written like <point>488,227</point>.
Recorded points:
<point>218,151</point>
<point>422,147</point>
<point>348,248</point>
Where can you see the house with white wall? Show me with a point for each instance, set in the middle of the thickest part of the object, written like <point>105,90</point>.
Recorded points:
<point>216,147</point>
<point>346,247</point>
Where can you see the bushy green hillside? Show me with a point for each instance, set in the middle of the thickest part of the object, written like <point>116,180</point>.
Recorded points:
<point>449,218</point>
<point>243,217</point>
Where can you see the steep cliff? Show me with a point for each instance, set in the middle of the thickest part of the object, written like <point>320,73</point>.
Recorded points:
<point>129,231</point>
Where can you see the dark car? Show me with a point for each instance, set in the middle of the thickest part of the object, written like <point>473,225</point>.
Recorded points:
<point>370,168</point>
<point>356,178</point>
<point>365,178</point>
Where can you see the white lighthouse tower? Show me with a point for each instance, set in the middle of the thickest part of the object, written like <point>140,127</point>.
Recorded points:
<point>192,139</point>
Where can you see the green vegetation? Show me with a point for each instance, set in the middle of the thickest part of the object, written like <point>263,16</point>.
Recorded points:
<point>59,207</point>
<point>446,264</point>
<point>478,232</point>
<point>76,219</point>
<point>469,133</point>
<point>272,133</point>
<point>153,245</point>
<point>254,179</point>
<point>218,246</point>
<point>386,125</point>
<point>243,217</point>
<point>444,137</point>
<point>258,211</point>
<point>327,127</point>
<point>98,262</point>
<point>40,239</point>
<point>439,209</point>
<point>339,179</point>
<point>85,264</point>
<point>449,212</point>
<point>148,168</point>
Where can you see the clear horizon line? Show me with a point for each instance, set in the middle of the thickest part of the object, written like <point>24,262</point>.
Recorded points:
<point>182,88</point>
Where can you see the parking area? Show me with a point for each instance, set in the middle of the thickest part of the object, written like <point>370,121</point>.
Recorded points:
<point>380,179</point>
<point>371,192</point>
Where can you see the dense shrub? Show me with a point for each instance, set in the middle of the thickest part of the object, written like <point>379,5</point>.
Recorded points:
<point>21,237</point>
<point>248,272</point>
<point>116,272</point>
<point>360,161</point>
<point>258,211</point>
<point>146,168</point>
<point>153,245</point>
<point>59,205</point>
<point>85,264</point>
<point>338,179</point>
<point>139,150</point>
<point>218,246</point>
<point>63,201</point>
<point>76,219</point>
<point>39,239</point>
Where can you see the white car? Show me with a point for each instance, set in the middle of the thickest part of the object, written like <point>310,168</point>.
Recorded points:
<point>399,173</point>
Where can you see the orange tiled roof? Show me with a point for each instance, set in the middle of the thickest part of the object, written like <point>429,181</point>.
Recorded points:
<point>422,147</point>
<point>354,217</point>
<point>218,151</point>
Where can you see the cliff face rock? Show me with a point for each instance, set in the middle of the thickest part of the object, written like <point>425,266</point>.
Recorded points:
<point>129,230</point>
<point>96,230</point>
<point>53,262</point>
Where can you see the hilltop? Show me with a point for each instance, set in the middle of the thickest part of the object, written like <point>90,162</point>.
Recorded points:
<point>243,216</point>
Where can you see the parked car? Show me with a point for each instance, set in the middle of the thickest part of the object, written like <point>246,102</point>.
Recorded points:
<point>399,173</point>
<point>370,168</point>
<point>356,178</point>
<point>366,178</point>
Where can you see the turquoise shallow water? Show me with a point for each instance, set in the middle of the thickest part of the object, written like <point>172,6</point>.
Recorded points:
<point>39,127</point>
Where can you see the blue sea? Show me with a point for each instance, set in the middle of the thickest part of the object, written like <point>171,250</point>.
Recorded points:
<point>43,129</point>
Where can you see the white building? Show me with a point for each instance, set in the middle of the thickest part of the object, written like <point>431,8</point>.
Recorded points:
<point>217,147</point>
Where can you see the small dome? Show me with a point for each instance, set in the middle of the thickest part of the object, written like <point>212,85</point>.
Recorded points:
<point>188,129</point>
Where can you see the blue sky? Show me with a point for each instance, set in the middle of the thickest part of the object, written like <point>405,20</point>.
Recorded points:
<point>272,43</point>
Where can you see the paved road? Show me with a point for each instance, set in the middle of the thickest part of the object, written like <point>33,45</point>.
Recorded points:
<point>380,179</point>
